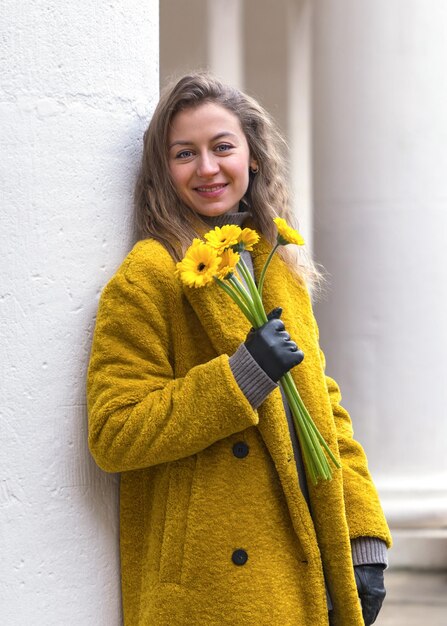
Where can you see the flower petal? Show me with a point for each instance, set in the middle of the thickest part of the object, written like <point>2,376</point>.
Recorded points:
<point>287,234</point>
<point>199,265</point>
<point>222,238</point>
<point>248,238</point>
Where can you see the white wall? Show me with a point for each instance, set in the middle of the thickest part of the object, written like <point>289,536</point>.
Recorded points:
<point>78,83</point>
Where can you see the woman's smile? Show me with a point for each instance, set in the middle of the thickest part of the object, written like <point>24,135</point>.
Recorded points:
<point>211,191</point>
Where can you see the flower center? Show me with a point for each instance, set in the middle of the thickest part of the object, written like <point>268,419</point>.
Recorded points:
<point>201,267</point>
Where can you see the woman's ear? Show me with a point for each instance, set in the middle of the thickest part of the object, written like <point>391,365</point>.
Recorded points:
<point>254,167</point>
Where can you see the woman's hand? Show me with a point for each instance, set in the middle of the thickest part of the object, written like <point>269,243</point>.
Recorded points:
<point>271,347</point>
<point>371,590</point>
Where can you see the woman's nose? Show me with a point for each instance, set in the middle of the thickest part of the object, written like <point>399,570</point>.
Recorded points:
<point>207,165</point>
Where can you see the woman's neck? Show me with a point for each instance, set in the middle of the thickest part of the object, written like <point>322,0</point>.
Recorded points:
<point>227,218</point>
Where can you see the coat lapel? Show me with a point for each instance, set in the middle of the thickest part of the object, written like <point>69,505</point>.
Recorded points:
<point>219,316</point>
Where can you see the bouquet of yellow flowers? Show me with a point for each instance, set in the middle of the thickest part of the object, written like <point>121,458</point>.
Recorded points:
<point>219,259</point>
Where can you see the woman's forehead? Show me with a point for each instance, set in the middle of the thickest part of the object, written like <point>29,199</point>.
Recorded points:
<point>208,119</point>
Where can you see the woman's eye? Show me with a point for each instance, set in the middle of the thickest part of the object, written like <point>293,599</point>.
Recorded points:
<point>184,154</point>
<point>223,147</point>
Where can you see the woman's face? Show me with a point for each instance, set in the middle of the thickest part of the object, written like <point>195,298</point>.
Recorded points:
<point>209,159</point>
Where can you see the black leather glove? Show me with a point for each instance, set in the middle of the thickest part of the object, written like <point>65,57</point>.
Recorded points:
<point>371,590</point>
<point>272,348</point>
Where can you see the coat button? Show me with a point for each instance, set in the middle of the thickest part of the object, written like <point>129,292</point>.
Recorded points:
<point>239,557</point>
<point>240,449</point>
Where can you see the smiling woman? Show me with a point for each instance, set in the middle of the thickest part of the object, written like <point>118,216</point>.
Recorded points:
<point>174,151</point>
<point>209,159</point>
<point>221,520</point>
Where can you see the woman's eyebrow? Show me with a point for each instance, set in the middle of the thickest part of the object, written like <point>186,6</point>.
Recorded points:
<point>182,142</point>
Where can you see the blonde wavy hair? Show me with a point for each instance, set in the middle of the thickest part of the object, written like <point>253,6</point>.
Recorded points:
<point>159,211</point>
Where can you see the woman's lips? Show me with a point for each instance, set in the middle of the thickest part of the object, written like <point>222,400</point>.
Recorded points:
<point>211,191</point>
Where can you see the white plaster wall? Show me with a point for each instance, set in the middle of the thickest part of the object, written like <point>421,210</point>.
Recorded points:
<point>78,83</point>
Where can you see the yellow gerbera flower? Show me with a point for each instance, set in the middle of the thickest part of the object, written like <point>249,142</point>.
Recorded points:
<point>228,262</point>
<point>199,265</point>
<point>248,238</point>
<point>287,234</point>
<point>222,238</point>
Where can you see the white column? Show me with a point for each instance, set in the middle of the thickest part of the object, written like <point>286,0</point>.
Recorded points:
<point>299,110</point>
<point>225,41</point>
<point>380,184</point>
<point>79,81</point>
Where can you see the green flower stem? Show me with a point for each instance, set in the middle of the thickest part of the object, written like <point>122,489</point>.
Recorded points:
<point>243,293</point>
<point>258,319</point>
<point>257,302</point>
<point>318,467</point>
<point>311,423</point>
<point>315,436</point>
<point>319,461</point>
<point>322,441</point>
<point>303,436</point>
<point>297,403</point>
<point>234,295</point>
<point>264,269</point>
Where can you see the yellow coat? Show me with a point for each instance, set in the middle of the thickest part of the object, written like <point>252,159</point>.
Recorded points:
<point>165,410</point>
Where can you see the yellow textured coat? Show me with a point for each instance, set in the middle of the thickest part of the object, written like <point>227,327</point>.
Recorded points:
<point>165,410</point>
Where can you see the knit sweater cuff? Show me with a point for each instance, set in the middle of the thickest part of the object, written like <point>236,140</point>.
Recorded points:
<point>369,551</point>
<point>251,378</point>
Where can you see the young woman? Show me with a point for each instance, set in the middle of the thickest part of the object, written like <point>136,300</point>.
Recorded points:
<point>218,522</point>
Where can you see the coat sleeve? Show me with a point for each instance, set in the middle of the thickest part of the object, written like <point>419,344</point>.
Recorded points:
<point>139,413</point>
<point>363,509</point>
